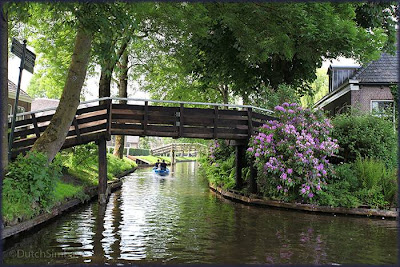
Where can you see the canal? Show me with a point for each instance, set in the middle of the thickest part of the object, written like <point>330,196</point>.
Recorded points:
<point>177,219</point>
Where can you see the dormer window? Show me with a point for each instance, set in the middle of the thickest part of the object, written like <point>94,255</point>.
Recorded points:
<point>339,74</point>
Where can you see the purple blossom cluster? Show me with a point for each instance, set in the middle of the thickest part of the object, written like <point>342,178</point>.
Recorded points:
<point>213,149</point>
<point>293,151</point>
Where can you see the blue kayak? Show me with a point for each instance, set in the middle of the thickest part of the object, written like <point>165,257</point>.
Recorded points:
<point>161,172</point>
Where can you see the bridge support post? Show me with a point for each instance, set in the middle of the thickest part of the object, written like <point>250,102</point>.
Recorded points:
<point>239,162</point>
<point>253,178</point>
<point>102,187</point>
<point>239,165</point>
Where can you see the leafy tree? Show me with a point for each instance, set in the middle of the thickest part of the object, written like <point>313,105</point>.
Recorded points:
<point>89,18</point>
<point>52,36</point>
<point>319,89</point>
<point>247,49</point>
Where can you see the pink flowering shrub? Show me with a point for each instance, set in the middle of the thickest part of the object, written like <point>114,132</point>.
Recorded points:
<point>291,153</point>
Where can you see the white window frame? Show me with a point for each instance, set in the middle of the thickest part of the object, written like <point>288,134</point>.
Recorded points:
<point>381,100</point>
<point>394,110</point>
<point>20,109</point>
<point>10,111</point>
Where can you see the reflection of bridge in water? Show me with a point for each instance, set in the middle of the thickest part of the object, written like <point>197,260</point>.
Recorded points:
<point>97,122</point>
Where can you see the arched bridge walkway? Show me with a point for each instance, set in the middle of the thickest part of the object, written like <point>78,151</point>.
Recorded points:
<point>98,119</point>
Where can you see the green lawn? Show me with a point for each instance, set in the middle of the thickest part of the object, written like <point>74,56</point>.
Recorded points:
<point>153,159</point>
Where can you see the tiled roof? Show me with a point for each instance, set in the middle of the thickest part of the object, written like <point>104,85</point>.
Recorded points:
<point>383,70</point>
<point>43,103</point>
<point>12,88</point>
<point>132,139</point>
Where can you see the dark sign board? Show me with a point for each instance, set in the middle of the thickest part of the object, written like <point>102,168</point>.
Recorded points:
<point>18,49</point>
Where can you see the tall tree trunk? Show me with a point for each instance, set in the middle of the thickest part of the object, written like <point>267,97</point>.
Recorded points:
<point>245,98</point>
<point>4,90</point>
<point>105,80</point>
<point>107,69</point>
<point>224,90</point>
<point>122,92</point>
<point>54,136</point>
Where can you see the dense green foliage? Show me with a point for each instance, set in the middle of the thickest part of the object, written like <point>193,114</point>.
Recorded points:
<point>219,166</point>
<point>363,182</point>
<point>365,136</point>
<point>235,51</point>
<point>29,185</point>
<point>32,187</point>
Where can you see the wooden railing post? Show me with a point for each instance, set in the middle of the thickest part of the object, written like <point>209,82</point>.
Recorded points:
<point>78,135</point>
<point>180,131</point>
<point>35,125</point>
<point>215,133</point>
<point>250,121</point>
<point>145,117</point>
<point>109,122</point>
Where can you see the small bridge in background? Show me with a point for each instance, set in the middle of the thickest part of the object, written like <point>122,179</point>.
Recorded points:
<point>97,122</point>
<point>175,149</point>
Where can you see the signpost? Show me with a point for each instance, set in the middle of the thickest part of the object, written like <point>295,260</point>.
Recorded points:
<point>27,62</point>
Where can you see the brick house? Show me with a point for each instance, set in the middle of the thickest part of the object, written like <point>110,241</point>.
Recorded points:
<point>24,100</point>
<point>365,88</point>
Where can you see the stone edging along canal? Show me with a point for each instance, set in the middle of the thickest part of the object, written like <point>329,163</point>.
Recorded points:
<point>58,210</point>
<point>229,194</point>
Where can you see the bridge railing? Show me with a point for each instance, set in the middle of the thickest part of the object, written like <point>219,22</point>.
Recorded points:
<point>88,125</point>
<point>101,117</point>
<point>186,147</point>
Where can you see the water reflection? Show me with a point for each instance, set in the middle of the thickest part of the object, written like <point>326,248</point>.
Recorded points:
<point>176,219</point>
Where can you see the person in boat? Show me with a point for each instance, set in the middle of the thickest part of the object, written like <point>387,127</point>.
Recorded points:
<point>163,165</point>
<point>157,164</point>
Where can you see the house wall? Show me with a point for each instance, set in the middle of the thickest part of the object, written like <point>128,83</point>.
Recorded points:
<point>361,99</point>
<point>23,104</point>
<point>335,106</point>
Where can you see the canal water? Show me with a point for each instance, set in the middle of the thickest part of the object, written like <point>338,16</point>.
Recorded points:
<point>177,220</point>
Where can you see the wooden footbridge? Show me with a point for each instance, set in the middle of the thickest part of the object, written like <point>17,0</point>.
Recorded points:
<point>175,149</point>
<point>98,119</point>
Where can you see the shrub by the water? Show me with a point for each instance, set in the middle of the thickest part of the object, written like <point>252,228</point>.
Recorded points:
<point>291,153</point>
<point>378,184</point>
<point>29,184</point>
<point>366,182</point>
<point>342,188</point>
<point>365,136</point>
<point>219,166</point>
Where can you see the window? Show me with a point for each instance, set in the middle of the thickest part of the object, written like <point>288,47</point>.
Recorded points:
<point>20,110</point>
<point>9,112</point>
<point>382,107</point>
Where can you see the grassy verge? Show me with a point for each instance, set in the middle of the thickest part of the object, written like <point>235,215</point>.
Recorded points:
<point>30,188</point>
<point>153,159</point>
